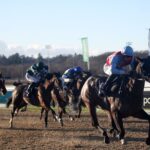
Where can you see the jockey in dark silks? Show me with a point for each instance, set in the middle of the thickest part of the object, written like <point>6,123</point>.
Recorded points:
<point>117,65</point>
<point>35,75</point>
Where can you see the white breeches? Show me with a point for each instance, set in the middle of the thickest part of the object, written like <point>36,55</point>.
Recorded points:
<point>32,78</point>
<point>107,69</point>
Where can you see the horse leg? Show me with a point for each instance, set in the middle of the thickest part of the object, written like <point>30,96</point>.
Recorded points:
<point>12,116</point>
<point>56,117</point>
<point>80,110</point>
<point>24,108</point>
<point>65,112</point>
<point>95,123</point>
<point>46,118</point>
<point>119,125</point>
<point>143,115</point>
<point>113,130</point>
<point>42,110</point>
<point>60,112</point>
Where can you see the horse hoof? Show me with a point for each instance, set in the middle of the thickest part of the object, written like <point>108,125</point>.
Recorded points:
<point>148,141</point>
<point>71,118</point>
<point>114,134</point>
<point>118,137</point>
<point>60,121</point>
<point>122,141</point>
<point>106,140</point>
<point>56,118</point>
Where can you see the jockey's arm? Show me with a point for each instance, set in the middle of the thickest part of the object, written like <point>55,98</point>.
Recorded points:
<point>34,69</point>
<point>115,70</point>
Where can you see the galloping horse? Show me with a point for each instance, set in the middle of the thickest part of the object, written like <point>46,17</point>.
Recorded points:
<point>79,85</point>
<point>57,97</point>
<point>60,98</point>
<point>40,98</point>
<point>128,103</point>
<point>3,89</point>
<point>72,98</point>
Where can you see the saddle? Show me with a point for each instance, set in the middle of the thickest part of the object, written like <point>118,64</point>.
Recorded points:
<point>31,93</point>
<point>32,97</point>
<point>115,88</point>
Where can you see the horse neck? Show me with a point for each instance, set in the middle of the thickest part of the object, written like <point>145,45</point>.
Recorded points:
<point>57,83</point>
<point>136,86</point>
<point>81,81</point>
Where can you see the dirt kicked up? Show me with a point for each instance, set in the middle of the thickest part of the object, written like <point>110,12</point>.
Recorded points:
<point>29,133</point>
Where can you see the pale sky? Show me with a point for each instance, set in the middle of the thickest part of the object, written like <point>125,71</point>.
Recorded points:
<point>28,26</point>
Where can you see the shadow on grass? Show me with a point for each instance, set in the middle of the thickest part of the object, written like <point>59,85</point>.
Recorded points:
<point>47,129</point>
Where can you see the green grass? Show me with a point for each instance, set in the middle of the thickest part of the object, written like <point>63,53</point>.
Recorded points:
<point>84,109</point>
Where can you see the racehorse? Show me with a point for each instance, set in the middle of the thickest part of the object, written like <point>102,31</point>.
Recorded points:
<point>3,89</point>
<point>69,98</point>
<point>41,98</point>
<point>79,84</point>
<point>60,98</point>
<point>57,97</point>
<point>128,103</point>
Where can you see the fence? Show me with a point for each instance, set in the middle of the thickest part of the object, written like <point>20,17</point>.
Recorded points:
<point>146,98</point>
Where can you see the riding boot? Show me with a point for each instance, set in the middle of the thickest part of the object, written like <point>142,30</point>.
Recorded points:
<point>30,89</point>
<point>123,80</point>
<point>105,89</point>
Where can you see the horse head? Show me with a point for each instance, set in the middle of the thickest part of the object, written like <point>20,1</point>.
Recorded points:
<point>3,89</point>
<point>143,68</point>
<point>81,80</point>
<point>57,81</point>
<point>73,93</point>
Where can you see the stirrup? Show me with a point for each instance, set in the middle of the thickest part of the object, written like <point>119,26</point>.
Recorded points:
<point>102,93</point>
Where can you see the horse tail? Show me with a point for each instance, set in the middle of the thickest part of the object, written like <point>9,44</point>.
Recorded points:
<point>9,102</point>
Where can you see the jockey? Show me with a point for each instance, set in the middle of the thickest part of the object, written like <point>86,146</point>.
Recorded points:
<point>117,64</point>
<point>71,75</point>
<point>36,74</point>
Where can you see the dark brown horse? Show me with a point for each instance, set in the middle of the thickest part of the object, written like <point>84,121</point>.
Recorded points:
<point>60,100</point>
<point>128,103</point>
<point>79,85</point>
<point>40,98</point>
<point>69,98</point>
<point>3,89</point>
<point>57,97</point>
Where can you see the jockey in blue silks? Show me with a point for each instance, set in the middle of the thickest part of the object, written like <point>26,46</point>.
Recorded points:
<point>117,64</point>
<point>70,76</point>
